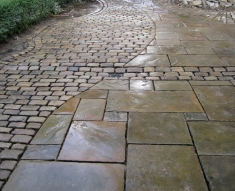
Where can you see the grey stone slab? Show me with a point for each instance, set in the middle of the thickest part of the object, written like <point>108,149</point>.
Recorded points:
<point>163,167</point>
<point>153,101</point>
<point>112,85</point>
<point>41,152</point>
<point>214,138</point>
<point>195,60</point>
<point>95,141</point>
<point>149,60</point>
<point>141,85</point>
<point>61,176</point>
<point>196,117</point>
<point>90,109</point>
<point>219,171</point>
<point>172,85</point>
<point>217,101</point>
<point>115,116</point>
<point>53,130</point>
<point>158,128</point>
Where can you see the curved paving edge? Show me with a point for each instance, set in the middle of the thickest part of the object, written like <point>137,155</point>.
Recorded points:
<point>84,73</point>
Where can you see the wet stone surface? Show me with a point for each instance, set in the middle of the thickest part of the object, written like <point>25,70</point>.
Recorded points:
<point>53,130</point>
<point>217,101</point>
<point>148,101</point>
<point>214,138</point>
<point>169,85</point>
<point>68,108</point>
<point>41,152</point>
<point>141,85</point>
<point>151,167</point>
<point>112,85</point>
<point>220,171</point>
<point>69,176</point>
<point>95,141</point>
<point>149,60</point>
<point>157,128</point>
<point>93,94</point>
<point>90,109</point>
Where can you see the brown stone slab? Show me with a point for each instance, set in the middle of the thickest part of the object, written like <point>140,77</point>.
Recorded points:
<point>158,128</point>
<point>141,85</point>
<point>41,152</point>
<point>217,101</point>
<point>172,85</point>
<point>93,94</point>
<point>53,130</point>
<point>150,101</point>
<point>90,109</point>
<point>214,138</point>
<point>166,36</point>
<point>95,141</point>
<point>195,60</point>
<point>61,176</point>
<point>68,108</point>
<point>112,85</point>
<point>166,50</point>
<point>163,167</point>
<point>210,83</point>
<point>149,60</point>
<point>200,50</point>
<point>219,171</point>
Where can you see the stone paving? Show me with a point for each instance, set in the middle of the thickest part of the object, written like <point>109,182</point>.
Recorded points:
<point>133,97</point>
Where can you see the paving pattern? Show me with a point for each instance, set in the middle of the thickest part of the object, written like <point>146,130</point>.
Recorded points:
<point>133,97</point>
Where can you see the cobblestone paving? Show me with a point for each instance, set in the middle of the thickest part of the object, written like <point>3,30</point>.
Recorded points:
<point>161,80</point>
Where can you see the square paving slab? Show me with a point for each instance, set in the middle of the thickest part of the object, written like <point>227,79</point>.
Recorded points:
<point>112,85</point>
<point>95,141</point>
<point>149,60</point>
<point>195,60</point>
<point>220,172</point>
<point>90,109</point>
<point>218,101</point>
<point>172,85</point>
<point>64,176</point>
<point>163,167</point>
<point>53,130</point>
<point>153,101</point>
<point>214,138</point>
<point>158,128</point>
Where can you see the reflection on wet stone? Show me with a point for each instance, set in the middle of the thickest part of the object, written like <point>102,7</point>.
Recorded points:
<point>143,85</point>
<point>112,85</point>
<point>95,141</point>
<point>61,176</point>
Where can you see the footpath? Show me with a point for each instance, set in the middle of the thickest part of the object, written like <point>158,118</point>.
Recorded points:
<point>134,97</point>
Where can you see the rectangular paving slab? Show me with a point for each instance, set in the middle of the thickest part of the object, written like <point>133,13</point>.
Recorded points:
<point>153,101</point>
<point>195,60</point>
<point>142,85</point>
<point>218,101</point>
<point>220,172</point>
<point>95,141</point>
<point>214,138</point>
<point>90,109</point>
<point>62,176</point>
<point>53,130</point>
<point>172,85</point>
<point>163,167</point>
<point>112,85</point>
<point>149,60</point>
<point>158,128</point>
